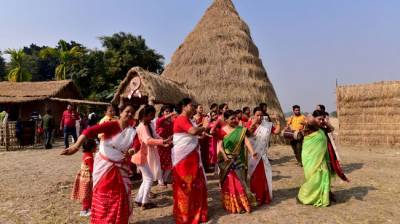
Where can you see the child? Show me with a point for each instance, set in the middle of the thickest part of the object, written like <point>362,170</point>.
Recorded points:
<point>82,189</point>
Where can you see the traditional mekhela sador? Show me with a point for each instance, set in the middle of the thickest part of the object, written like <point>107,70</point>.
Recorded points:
<point>260,170</point>
<point>111,183</point>
<point>236,195</point>
<point>189,181</point>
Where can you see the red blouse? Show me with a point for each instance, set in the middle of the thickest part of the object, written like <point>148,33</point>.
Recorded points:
<point>164,127</point>
<point>182,124</point>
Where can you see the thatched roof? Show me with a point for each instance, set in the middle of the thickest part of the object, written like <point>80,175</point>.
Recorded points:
<point>369,113</point>
<point>20,92</point>
<point>219,62</point>
<point>157,89</point>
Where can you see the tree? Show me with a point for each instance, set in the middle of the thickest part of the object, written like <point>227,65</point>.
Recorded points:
<point>2,67</point>
<point>123,51</point>
<point>18,71</point>
<point>67,54</point>
<point>42,68</point>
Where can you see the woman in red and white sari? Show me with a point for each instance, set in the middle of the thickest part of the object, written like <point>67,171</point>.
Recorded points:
<point>189,181</point>
<point>111,184</point>
<point>259,169</point>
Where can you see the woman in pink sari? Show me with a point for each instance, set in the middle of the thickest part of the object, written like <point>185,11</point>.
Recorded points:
<point>111,183</point>
<point>189,181</point>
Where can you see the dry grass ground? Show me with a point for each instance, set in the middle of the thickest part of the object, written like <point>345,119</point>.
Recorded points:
<point>35,187</point>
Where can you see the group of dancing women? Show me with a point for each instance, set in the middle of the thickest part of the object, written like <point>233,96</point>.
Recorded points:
<point>179,147</point>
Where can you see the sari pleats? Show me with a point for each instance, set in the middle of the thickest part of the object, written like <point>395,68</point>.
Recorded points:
<point>110,202</point>
<point>315,159</point>
<point>189,191</point>
<point>259,184</point>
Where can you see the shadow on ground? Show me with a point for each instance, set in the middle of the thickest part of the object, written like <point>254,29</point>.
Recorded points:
<point>343,196</point>
<point>348,168</point>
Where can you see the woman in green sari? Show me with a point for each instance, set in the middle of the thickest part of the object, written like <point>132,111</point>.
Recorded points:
<point>236,194</point>
<point>316,189</point>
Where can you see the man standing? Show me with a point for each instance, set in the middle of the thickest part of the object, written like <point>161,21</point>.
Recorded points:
<point>68,121</point>
<point>48,127</point>
<point>296,123</point>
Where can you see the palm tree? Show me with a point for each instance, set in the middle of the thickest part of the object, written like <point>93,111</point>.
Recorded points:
<point>66,56</point>
<point>18,72</point>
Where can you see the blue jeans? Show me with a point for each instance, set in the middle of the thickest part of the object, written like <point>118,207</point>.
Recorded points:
<point>47,138</point>
<point>67,132</point>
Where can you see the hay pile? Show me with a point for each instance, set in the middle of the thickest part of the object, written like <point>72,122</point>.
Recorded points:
<point>219,62</point>
<point>369,114</point>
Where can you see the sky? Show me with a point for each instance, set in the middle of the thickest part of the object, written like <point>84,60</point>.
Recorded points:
<point>305,45</point>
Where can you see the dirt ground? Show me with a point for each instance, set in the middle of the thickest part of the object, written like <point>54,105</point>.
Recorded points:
<point>35,186</point>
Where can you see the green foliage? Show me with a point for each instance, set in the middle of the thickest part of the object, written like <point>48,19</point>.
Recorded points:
<point>333,114</point>
<point>2,67</point>
<point>96,72</point>
<point>18,66</point>
<point>42,68</point>
<point>123,51</point>
<point>67,54</point>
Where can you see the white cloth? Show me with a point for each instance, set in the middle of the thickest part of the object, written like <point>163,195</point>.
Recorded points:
<point>184,144</point>
<point>260,143</point>
<point>147,180</point>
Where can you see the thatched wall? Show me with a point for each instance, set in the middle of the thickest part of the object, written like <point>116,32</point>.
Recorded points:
<point>219,63</point>
<point>369,114</point>
<point>154,88</point>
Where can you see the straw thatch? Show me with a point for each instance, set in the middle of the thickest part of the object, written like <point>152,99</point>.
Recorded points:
<point>369,114</point>
<point>22,92</point>
<point>75,101</point>
<point>156,89</point>
<point>219,62</point>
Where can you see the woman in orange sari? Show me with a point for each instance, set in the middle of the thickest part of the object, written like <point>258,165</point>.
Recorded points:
<point>189,181</point>
<point>236,195</point>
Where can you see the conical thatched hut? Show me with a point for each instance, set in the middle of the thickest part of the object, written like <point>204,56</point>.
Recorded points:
<point>219,62</point>
<point>150,88</point>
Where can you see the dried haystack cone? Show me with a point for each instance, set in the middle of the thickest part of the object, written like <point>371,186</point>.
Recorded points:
<point>219,62</point>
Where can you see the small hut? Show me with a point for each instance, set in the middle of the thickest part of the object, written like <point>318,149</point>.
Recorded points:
<point>144,87</point>
<point>219,62</point>
<point>24,97</point>
<point>369,113</point>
